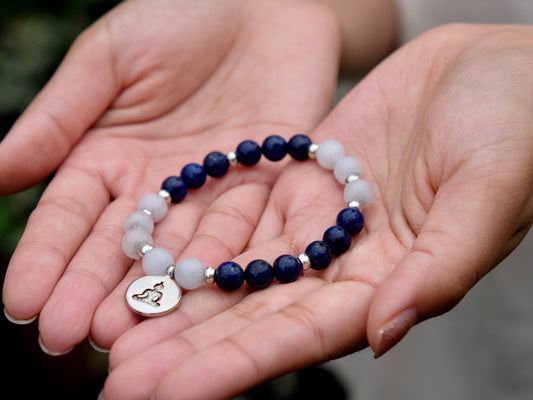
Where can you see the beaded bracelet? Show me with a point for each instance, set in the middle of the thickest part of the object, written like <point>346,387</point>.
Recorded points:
<point>159,292</point>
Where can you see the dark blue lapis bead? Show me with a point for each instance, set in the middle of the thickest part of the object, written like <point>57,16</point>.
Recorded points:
<point>287,268</point>
<point>229,276</point>
<point>248,153</point>
<point>194,175</point>
<point>298,147</point>
<point>259,274</point>
<point>176,187</point>
<point>352,220</point>
<point>319,254</point>
<point>216,164</point>
<point>338,239</point>
<point>274,148</point>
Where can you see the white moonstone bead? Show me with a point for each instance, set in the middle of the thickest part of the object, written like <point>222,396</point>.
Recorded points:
<point>189,273</point>
<point>139,219</point>
<point>359,191</point>
<point>134,240</point>
<point>328,153</point>
<point>345,167</point>
<point>157,261</point>
<point>156,204</point>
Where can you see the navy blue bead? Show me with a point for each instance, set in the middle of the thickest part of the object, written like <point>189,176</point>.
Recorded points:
<point>176,187</point>
<point>229,276</point>
<point>259,274</point>
<point>216,164</point>
<point>319,254</point>
<point>194,175</point>
<point>338,239</point>
<point>298,147</point>
<point>274,148</point>
<point>352,220</point>
<point>248,153</point>
<point>287,268</point>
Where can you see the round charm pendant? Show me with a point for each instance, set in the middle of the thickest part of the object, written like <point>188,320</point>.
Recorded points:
<point>153,295</point>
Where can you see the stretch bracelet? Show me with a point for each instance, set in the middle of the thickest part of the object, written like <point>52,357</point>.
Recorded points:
<point>159,291</point>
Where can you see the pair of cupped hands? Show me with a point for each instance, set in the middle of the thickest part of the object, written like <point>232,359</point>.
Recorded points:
<point>443,128</point>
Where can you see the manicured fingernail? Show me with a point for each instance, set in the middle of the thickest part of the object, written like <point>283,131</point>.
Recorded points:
<point>394,330</point>
<point>96,347</point>
<point>50,352</point>
<point>12,319</point>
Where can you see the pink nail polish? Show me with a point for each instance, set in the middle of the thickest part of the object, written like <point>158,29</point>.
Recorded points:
<point>394,330</point>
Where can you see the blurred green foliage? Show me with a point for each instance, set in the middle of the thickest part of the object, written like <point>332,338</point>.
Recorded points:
<point>34,37</point>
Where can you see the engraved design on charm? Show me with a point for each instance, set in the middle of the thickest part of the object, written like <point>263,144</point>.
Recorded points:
<point>153,295</point>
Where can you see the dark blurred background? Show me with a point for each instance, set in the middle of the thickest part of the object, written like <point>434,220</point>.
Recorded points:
<point>34,37</point>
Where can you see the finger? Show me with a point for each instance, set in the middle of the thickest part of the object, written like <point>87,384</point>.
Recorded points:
<point>55,230</point>
<point>80,90</point>
<point>462,238</point>
<point>196,335</point>
<point>94,271</point>
<point>303,333</point>
<point>223,232</point>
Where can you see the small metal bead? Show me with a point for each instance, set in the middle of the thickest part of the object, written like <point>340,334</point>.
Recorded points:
<point>353,204</point>
<point>148,212</point>
<point>210,275</point>
<point>170,271</point>
<point>305,261</point>
<point>145,249</point>
<point>312,150</point>
<point>166,195</point>
<point>232,158</point>
<point>351,178</point>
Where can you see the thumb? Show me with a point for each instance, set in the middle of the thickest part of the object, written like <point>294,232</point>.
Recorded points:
<point>76,95</point>
<point>473,223</point>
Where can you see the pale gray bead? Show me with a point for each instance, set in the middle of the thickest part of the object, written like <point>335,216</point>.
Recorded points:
<point>155,204</point>
<point>189,273</point>
<point>359,191</point>
<point>328,153</point>
<point>139,219</point>
<point>157,261</point>
<point>346,166</point>
<point>134,240</point>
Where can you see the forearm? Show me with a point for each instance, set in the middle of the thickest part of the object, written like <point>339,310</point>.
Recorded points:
<point>369,31</point>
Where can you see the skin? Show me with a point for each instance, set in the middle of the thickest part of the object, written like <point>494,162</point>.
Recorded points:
<point>442,127</point>
<point>130,105</point>
<point>452,199</point>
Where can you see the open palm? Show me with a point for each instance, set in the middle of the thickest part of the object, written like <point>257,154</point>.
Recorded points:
<point>145,90</point>
<point>443,128</point>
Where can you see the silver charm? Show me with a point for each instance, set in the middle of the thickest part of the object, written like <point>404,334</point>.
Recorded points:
<point>153,296</point>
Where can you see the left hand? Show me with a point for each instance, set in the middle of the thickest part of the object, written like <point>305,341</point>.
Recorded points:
<point>443,127</point>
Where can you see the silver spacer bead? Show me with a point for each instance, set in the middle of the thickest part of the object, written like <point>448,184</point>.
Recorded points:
<point>145,249</point>
<point>351,178</point>
<point>312,150</point>
<point>209,276</point>
<point>353,204</point>
<point>232,158</point>
<point>170,271</point>
<point>305,261</point>
<point>166,195</point>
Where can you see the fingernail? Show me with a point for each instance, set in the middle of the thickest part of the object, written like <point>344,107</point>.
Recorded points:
<point>12,319</point>
<point>50,352</point>
<point>394,330</point>
<point>96,347</point>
